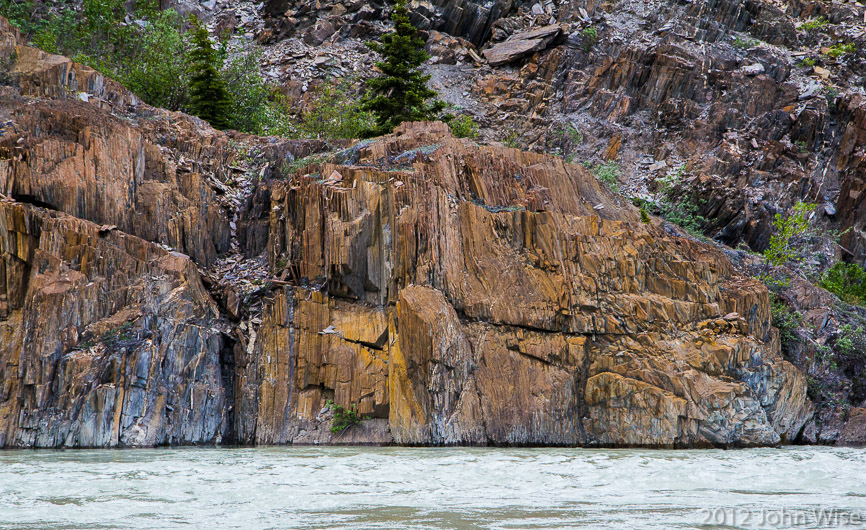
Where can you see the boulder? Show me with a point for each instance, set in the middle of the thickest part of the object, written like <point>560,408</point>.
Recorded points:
<point>854,433</point>
<point>522,44</point>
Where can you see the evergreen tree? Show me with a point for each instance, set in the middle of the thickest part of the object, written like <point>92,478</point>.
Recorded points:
<point>209,98</point>
<point>400,93</point>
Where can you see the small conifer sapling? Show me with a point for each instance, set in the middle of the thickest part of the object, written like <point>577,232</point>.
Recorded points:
<point>209,97</point>
<point>400,93</point>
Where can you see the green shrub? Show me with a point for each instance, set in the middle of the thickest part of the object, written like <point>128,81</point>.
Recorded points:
<point>774,281</point>
<point>816,23</point>
<point>93,36</point>
<point>839,49</point>
<point>568,133</point>
<point>332,112</point>
<point>831,96</point>
<point>782,247</point>
<point>343,417</point>
<point>289,169</point>
<point>787,322</point>
<point>574,135</point>
<point>20,14</point>
<point>745,44</point>
<point>807,61</point>
<point>678,207</point>
<point>117,337</point>
<point>464,126</point>
<point>644,216</point>
<point>850,344</point>
<point>589,37</point>
<point>512,139</point>
<point>251,96</point>
<point>157,71</point>
<point>847,281</point>
<point>609,173</point>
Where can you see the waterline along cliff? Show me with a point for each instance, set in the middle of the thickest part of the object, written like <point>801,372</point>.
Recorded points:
<point>162,282</point>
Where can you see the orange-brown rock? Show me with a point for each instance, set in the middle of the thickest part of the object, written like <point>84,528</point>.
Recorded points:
<point>527,305</point>
<point>455,293</point>
<point>65,156</point>
<point>105,339</point>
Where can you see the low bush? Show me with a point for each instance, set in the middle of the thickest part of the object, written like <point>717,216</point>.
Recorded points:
<point>676,205</point>
<point>589,37</point>
<point>512,139</point>
<point>850,345</point>
<point>839,49</point>
<point>815,23</point>
<point>609,173</point>
<point>252,98</point>
<point>847,281</point>
<point>343,417</point>
<point>463,126</point>
<point>158,71</point>
<point>787,321</point>
<point>745,44</point>
<point>789,229</point>
<point>331,112</point>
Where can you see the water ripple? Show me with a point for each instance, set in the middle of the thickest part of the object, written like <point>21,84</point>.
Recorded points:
<point>417,488</point>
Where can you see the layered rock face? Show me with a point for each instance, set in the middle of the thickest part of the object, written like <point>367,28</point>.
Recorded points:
<point>456,293</point>
<point>109,210</point>
<point>106,339</point>
<point>504,297</point>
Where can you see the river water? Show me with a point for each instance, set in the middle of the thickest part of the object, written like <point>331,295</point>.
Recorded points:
<point>460,488</point>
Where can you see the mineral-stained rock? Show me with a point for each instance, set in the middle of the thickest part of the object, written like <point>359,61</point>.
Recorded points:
<point>70,154</point>
<point>105,339</point>
<point>519,310</point>
<point>70,157</point>
<point>456,294</point>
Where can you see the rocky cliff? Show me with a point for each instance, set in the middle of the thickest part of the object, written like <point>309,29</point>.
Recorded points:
<point>724,113</point>
<point>165,283</point>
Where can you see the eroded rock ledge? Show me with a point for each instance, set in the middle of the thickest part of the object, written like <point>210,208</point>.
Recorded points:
<point>459,294</point>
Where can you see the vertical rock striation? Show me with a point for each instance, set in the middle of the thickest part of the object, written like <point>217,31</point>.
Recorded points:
<point>527,306</point>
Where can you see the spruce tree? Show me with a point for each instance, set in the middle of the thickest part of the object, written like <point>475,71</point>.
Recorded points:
<point>209,98</point>
<point>400,93</point>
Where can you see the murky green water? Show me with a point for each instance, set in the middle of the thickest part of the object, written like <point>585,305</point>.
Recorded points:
<point>317,487</point>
